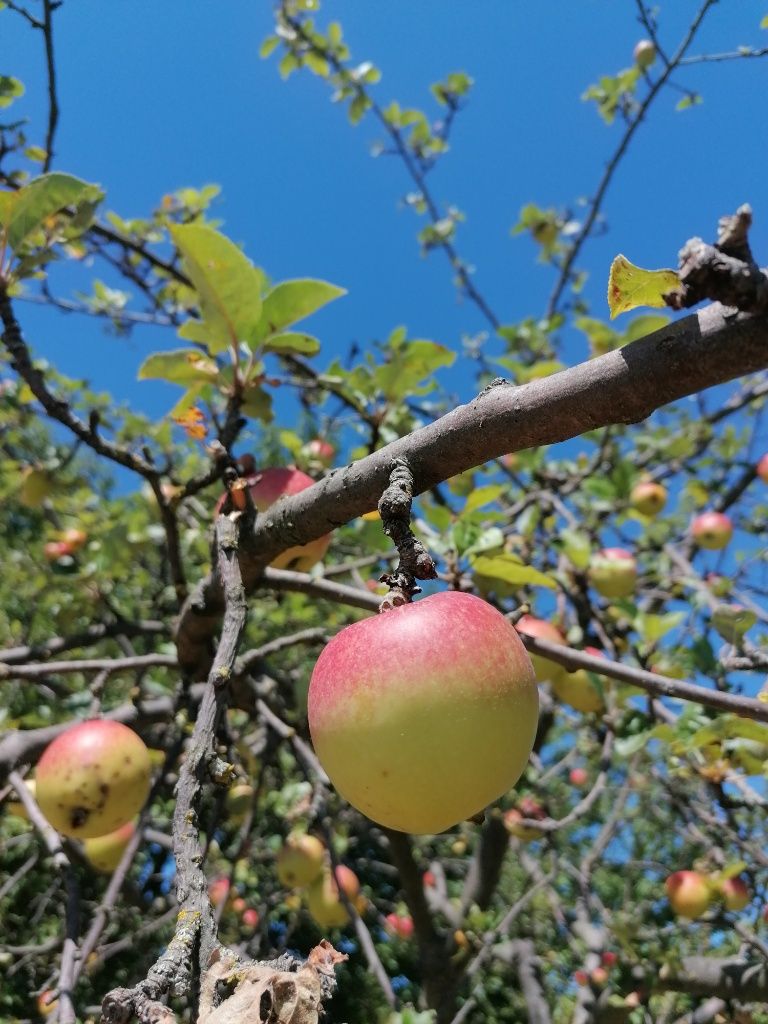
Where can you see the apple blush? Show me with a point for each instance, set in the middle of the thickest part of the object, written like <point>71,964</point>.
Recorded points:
<point>423,715</point>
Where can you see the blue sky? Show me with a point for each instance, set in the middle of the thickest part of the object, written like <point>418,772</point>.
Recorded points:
<point>158,96</point>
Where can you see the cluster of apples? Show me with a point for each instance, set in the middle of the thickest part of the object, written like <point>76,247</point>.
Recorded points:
<point>690,893</point>
<point>90,783</point>
<point>67,544</point>
<point>302,863</point>
<point>221,892</point>
<point>581,690</point>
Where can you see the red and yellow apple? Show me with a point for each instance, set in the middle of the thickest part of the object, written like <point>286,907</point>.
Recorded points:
<point>712,530</point>
<point>324,902</point>
<point>267,487</point>
<point>93,778</point>
<point>735,893</point>
<point>320,451</point>
<point>105,852</point>
<point>300,861</point>
<point>527,808</point>
<point>579,690</point>
<point>648,497</point>
<point>46,1005</point>
<point>423,715</point>
<point>540,629</point>
<point>689,893</point>
<point>613,572</point>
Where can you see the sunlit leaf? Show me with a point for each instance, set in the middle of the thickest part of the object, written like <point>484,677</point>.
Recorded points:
<point>510,569</point>
<point>40,199</point>
<point>181,366</point>
<point>630,286</point>
<point>291,301</point>
<point>10,89</point>
<point>294,343</point>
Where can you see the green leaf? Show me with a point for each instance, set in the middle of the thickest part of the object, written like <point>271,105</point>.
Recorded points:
<point>691,100</point>
<point>258,404</point>
<point>269,45</point>
<point>228,285</point>
<point>294,343</point>
<point>630,286</point>
<point>653,627</point>
<point>40,199</point>
<point>732,621</point>
<point>8,201</point>
<point>10,89</point>
<point>483,496</point>
<point>181,366</point>
<point>291,301</point>
<point>510,569</point>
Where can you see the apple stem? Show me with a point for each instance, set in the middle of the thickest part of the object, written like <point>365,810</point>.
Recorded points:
<point>415,562</point>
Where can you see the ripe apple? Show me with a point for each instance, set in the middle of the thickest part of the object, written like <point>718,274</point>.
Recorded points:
<point>644,54</point>
<point>219,891</point>
<point>648,497</point>
<point>735,893</point>
<point>321,451</point>
<point>250,918</point>
<point>300,861</point>
<point>542,630</point>
<point>578,689</point>
<point>429,880</point>
<point>324,902</point>
<point>613,572</point>
<point>74,538</point>
<point>689,893</point>
<point>609,959</point>
<point>93,778</point>
<point>400,925</point>
<point>762,468</point>
<point>598,976</point>
<point>105,852</point>
<point>56,549</point>
<point>46,1005</point>
<point>266,487</point>
<point>579,776</point>
<point>712,530</point>
<point>423,715</point>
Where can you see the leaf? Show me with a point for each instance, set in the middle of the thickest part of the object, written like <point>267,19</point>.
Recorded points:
<point>10,89</point>
<point>228,285</point>
<point>193,423</point>
<point>258,403</point>
<point>653,627</point>
<point>181,366</point>
<point>732,621</point>
<point>291,342</point>
<point>630,286</point>
<point>291,301</point>
<point>40,199</point>
<point>483,496</point>
<point>510,569</point>
<point>8,201</point>
<point>576,547</point>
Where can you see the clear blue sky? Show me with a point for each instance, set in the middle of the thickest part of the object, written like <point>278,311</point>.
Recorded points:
<point>155,96</point>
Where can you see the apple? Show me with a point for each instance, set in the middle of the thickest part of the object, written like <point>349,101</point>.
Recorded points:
<point>542,630</point>
<point>599,976</point>
<point>45,1005</point>
<point>527,807</point>
<point>250,918</point>
<point>423,715</point>
<point>238,801</point>
<point>93,778</point>
<point>238,905</point>
<point>578,689</point>
<point>300,861</point>
<point>613,572</point>
<point>712,530</point>
<point>324,902</point>
<point>321,451</point>
<point>644,54</point>
<point>762,468</point>
<point>219,891</point>
<point>581,977</point>
<point>400,925</point>
<point>74,538</point>
<point>56,549</point>
<point>105,852</point>
<point>36,485</point>
<point>609,959</point>
<point>429,880</point>
<point>648,497</point>
<point>735,893</point>
<point>579,776</point>
<point>16,807</point>
<point>689,893</point>
<point>266,487</point>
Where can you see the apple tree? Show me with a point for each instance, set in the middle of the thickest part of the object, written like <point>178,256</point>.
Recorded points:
<point>174,835</point>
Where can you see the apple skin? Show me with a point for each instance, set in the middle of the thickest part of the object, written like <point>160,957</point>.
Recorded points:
<point>644,54</point>
<point>613,572</point>
<point>735,893</point>
<point>105,852</point>
<point>300,861</point>
<point>321,451</point>
<point>250,918</point>
<point>400,925</point>
<point>44,1007</point>
<point>528,808</point>
<point>423,715</point>
<point>93,778</point>
<point>219,891</point>
<point>712,530</point>
<point>648,497</point>
<point>324,902</point>
<point>689,893</point>
<point>16,807</point>
<point>578,776</point>
<point>266,487</point>
<point>762,468</point>
<point>542,630</point>
<point>577,690</point>
<point>56,549</point>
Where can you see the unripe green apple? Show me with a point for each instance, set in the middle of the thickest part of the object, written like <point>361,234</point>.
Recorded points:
<point>423,715</point>
<point>735,893</point>
<point>93,778</point>
<point>613,572</point>
<point>712,530</point>
<point>689,893</point>
<point>578,689</point>
<point>324,902</point>
<point>105,852</point>
<point>644,53</point>
<point>300,861</point>
<point>648,497</point>
<point>266,487</point>
<point>542,630</point>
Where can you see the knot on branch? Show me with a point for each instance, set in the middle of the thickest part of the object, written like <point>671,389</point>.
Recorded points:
<point>415,562</point>
<point>725,272</point>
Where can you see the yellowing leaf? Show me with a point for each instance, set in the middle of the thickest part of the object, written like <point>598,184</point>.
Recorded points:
<point>192,421</point>
<point>630,286</point>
